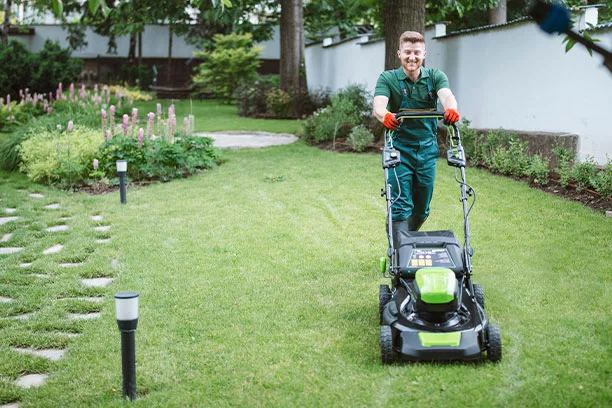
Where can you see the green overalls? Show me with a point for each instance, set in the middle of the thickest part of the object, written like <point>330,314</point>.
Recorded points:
<point>416,140</point>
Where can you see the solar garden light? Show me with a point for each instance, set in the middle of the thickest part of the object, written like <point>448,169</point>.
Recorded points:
<point>126,310</point>
<point>121,172</point>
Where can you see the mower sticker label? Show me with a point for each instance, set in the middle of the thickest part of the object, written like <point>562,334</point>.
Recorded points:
<point>431,257</point>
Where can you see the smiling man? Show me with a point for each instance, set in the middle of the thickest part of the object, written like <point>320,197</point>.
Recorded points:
<point>412,87</point>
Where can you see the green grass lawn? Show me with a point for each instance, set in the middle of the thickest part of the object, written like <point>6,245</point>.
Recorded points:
<point>258,285</point>
<point>211,116</point>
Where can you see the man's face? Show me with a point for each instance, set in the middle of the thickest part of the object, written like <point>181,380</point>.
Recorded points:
<point>412,55</point>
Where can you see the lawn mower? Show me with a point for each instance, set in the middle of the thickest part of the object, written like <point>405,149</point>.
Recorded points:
<point>432,311</point>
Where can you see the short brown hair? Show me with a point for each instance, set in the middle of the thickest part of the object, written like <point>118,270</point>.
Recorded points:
<point>412,37</point>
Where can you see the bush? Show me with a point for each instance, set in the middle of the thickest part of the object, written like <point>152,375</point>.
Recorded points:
<point>279,103</point>
<point>360,138</point>
<point>159,159</point>
<point>232,63</point>
<point>602,181</point>
<point>251,97</point>
<point>565,162</point>
<point>16,64</point>
<point>538,170</point>
<point>60,158</point>
<point>583,172</point>
<point>511,159</point>
<point>53,65</point>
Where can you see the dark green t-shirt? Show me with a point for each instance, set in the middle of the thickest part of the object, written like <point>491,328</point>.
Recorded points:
<point>388,85</point>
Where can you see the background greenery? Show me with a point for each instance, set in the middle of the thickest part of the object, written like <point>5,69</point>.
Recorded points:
<point>259,284</point>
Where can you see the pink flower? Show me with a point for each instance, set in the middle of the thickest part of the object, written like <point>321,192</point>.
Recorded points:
<point>151,117</point>
<point>103,113</point>
<point>109,135</point>
<point>140,137</point>
<point>159,109</point>
<point>126,124</point>
<point>70,126</point>
<point>8,102</point>
<point>112,110</point>
<point>95,164</point>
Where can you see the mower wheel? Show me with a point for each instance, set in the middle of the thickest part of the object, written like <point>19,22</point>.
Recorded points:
<point>479,293</point>
<point>386,345</point>
<point>494,348</point>
<point>384,296</point>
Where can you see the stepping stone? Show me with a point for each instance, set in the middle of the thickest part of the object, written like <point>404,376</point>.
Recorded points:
<point>6,251</point>
<point>5,299</point>
<point>6,237</point>
<point>96,217</point>
<point>31,380</point>
<point>97,282</point>
<point>25,265</point>
<point>102,241</point>
<point>40,275</point>
<point>4,220</point>
<point>70,264</point>
<point>51,354</point>
<point>12,405</point>
<point>103,228</point>
<point>37,195</point>
<point>54,249</point>
<point>10,210</point>
<point>115,263</point>
<point>65,218</point>
<point>57,228</point>
<point>85,316</point>
<point>55,206</point>
<point>24,316</point>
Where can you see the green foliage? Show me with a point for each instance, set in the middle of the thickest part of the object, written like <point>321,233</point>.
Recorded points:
<point>348,108</point>
<point>602,181</point>
<point>159,159</point>
<point>538,170</point>
<point>16,64</point>
<point>232,63</point>
<point>54,65</point>
<point>360,138</point>
<point>565,162</point>
<point>279,103</point>
<point>251,96</point>
<point>583,172</point>
<point>60,158</point>
<point>511,158</point>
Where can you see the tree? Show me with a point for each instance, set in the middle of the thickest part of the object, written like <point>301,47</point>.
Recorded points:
<point>498,14</point>
<point>399,16</point>
<point>292,75</point>
<point>6,24</point>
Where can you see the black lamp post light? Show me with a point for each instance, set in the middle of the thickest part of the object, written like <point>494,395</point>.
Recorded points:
<point>126,309</point>
<point>121,172</point>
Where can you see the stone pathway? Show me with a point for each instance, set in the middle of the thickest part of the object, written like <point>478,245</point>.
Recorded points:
<point>240,139</point>
<point>36,380</point>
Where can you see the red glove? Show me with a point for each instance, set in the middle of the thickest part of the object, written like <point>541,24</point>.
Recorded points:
<point>451,116</point>
<point>390,122</point>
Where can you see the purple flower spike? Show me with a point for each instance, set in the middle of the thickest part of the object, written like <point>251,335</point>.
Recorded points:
<point>112,110</point>
<point>126,124</point>
<point>95,164</point>
<point>70,126</point>
<point>159,109</point>
<point>103,113</point>
<point>140,137</point>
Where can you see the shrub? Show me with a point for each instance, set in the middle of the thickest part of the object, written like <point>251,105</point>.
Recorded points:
<point>360,138</point>
<point>538,170</point>
<point>16,64</point>
<point>232,63</point>
<point>279,103</point>
<point>512,159</point>
<point>53,65</point>
<point>251,96</point>
<point>60,158</point>
<point>583,172</point>
<point>602,181</point>
<point>565,162</point>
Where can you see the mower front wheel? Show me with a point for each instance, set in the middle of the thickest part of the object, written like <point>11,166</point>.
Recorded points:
<point>386,345</point>
<point>494,348</point>
<point>384,296</point>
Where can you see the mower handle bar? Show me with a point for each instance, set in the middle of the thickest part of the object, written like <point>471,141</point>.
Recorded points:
<point>424,114</point>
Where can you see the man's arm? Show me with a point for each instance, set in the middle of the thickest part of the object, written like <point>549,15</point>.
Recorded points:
<point>447,99</point>
<point>380,107</point>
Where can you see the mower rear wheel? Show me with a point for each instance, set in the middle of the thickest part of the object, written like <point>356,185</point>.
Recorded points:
<point>479,293</point>
<point>386,345</point>
<point>384,296</point>
<point>494,348</point>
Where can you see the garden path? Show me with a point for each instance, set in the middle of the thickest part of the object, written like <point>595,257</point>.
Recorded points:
<point>244,139</point>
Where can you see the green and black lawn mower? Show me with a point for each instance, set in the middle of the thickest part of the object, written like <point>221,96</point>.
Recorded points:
<point>432,310</point>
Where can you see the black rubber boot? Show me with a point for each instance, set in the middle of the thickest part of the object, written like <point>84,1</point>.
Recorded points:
<point>415,223</point>
<point>398,226</point>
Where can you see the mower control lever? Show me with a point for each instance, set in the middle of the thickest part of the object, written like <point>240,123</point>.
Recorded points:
<point>391,158</point>
<point>455,156</point>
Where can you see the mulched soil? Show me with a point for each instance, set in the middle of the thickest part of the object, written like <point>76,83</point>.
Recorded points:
<point>587,198</point>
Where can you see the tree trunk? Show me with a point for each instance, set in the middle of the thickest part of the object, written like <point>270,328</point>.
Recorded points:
<point>7,21</point>
<point>139,49</point>
<point>499,14</point>
<point>169,71</point>
<point>292,75</point>
<point>400,16</point>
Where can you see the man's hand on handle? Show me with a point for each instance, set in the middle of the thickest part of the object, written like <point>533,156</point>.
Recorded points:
<point>390,122</point>
<point>451,116</point>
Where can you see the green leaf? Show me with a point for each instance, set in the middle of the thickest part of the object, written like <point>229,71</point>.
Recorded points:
<point>94,5</point>
<point>58,8</point>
